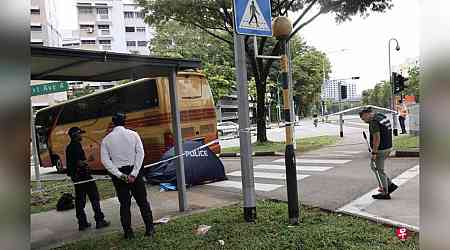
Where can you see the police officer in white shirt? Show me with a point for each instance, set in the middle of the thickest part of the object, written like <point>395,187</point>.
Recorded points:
<point>122,154</point>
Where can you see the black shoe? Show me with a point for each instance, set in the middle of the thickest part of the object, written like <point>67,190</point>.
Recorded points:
<point>83,227</point>
<point>129,235</point>
<point>102,224</point>
<point>392,187</point>
<point>381,196</point>
<point>150,233</point>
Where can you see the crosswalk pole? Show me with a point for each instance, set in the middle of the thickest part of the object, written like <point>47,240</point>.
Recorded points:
<point>291,171</point>
<point>248,182</point>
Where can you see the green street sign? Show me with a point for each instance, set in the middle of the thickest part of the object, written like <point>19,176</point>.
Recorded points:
<point>48,88</point>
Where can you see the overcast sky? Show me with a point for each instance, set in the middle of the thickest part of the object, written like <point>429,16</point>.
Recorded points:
<point>366,39</point>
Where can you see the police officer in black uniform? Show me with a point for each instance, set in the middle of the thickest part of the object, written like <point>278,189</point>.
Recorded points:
<point>380,129</point>
<point>77,169</point>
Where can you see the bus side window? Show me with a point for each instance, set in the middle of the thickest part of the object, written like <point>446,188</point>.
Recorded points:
<point>141,96</point>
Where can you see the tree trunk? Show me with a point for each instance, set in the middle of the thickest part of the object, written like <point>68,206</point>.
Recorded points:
<point>261,111</point>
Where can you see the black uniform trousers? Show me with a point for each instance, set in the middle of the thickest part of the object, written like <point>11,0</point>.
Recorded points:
<point>81,191</point>
<point>137,190</point>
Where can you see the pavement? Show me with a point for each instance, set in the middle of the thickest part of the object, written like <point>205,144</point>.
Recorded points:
<point>335,178</point>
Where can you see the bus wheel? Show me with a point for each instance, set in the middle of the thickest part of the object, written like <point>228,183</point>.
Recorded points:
<point>58,164</point>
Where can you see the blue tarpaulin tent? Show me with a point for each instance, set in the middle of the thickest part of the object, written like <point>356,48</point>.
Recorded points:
<point>200,166</point>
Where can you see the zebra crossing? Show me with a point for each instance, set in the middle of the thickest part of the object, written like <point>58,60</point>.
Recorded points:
<point>270,176</point>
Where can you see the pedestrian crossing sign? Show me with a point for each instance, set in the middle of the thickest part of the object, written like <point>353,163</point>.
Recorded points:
<point>253,17</point>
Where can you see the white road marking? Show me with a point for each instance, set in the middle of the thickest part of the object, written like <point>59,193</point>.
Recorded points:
<point>358,206</point>
<point>318,161</point>
<point>276,176</point>
<point>325,155</point>
<point>300,168</point>
<point>238,185</point>
<point>347,152</point>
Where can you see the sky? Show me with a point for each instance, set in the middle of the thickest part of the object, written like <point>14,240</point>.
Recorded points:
<point>366,40</point>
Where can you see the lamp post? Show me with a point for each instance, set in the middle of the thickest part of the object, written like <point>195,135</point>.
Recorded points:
<point>394,116</point>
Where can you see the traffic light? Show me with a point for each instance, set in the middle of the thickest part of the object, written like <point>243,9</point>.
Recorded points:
<point>343,92</point>
<point>399,82</point>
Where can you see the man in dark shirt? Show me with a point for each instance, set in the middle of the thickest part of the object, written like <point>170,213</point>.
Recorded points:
<point>77,169</point>
<point>381,143</point>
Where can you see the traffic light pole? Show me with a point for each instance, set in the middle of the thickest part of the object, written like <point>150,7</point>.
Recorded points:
<point>394,116</point>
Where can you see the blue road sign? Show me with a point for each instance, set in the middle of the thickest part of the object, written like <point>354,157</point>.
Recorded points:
<point>253,17</point>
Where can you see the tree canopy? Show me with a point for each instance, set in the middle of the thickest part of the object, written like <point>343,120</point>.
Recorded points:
<point>215,18</point>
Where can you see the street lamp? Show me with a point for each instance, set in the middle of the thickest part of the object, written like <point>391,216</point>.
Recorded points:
<point>394,116</point>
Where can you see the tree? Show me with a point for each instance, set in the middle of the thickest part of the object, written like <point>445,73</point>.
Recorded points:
<point>310,66</point>
<point>413,87</point>
<point>216,19</point>
<point>378,96</point>
<point>174,40</point>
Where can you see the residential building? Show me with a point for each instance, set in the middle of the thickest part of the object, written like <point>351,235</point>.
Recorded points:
<point>137,32</point>
<point>101,25</point>
<point>330,90</point>
<point>44,23</point>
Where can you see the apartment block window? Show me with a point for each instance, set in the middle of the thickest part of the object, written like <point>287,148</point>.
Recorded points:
<point>85,10</point>
<point>103,27</point>
<point>88,42</point>
<point>131,43</point>
<point>36,28</point>
<point>102,11</point>
<point>37,43</point>
<point>35,12</point>
<point>129,29</point>
<point>140,29</point>
<point>140,15</point>
<point>104,42</point>
<point>142,43</point>
<point>86,26</point>
<point>128,14</point>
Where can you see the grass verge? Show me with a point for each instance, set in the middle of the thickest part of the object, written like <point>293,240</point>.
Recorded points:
<point>406,142</point>
<point>45,201</point>
<point>303,145</point>
<point>318,230</point>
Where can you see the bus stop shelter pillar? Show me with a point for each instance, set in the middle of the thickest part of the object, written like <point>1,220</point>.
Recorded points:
<point>176,126</point>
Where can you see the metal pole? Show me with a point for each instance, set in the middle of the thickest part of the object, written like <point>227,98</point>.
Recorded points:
<point>248,182</point>
<point>291,171</point>
<point>34,150</point>
<point>394,117</point>
<point>341,126</point>
<point>181,179</point>
<point>291,97</point>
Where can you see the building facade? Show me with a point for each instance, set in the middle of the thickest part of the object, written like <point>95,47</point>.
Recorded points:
<point>137,32</point>
<point>44,28</point>
<point>330,90</point>
<point>100,25</point>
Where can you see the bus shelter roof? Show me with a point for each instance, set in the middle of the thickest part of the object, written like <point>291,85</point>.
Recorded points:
<point>52,63</point>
